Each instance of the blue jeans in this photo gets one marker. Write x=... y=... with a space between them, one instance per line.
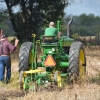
x=2 y=71
x=5 y=62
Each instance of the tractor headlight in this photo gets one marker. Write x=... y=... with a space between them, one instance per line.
x=53 y=49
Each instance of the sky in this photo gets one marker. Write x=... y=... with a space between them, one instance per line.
x=83 y=6
x=80 y=6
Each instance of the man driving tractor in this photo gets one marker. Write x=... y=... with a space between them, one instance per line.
x=52 y=31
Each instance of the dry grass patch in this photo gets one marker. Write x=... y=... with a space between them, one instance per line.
x=86 y=92
x=89 y=89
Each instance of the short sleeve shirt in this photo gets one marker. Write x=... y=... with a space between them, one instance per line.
x=7 y=47
x=51 y=31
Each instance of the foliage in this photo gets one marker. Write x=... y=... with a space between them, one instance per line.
x=84 y=25
x=34 y=14
x=5 y=24
x=75 y=36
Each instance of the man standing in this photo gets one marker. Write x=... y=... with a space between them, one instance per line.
x=5 y=61
x=52 y=31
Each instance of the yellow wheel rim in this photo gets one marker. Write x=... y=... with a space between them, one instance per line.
x=31 y=59
x=82 y=67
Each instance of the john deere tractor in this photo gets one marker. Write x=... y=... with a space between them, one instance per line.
x=60 y=60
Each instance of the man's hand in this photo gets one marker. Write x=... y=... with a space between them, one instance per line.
x=59 y=33
x=16 y=42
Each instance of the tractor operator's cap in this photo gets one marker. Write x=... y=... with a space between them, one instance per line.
x=51 y=24
x=4 y=36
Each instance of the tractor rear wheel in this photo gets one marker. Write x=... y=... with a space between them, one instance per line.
x=77 y=61
x=24 y=56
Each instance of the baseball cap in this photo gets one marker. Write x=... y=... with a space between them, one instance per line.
x=4 y=36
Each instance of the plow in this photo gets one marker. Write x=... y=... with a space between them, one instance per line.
x=61 y=60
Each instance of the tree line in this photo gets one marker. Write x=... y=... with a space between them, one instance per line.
x=84 y=25
x=33 y=17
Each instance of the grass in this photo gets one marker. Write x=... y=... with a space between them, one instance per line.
x=11 y=38
x=14 y=82
x=88 y=90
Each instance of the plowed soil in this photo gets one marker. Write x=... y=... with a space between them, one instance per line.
x=87 y=90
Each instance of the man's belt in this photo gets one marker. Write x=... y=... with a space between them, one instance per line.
x=5 y=55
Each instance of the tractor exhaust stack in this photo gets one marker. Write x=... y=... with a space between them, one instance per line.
x=68 y=27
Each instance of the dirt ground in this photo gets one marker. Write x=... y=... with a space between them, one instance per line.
x=88 y=90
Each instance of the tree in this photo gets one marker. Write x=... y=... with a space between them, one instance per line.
x=5 y=24
x=34 y=14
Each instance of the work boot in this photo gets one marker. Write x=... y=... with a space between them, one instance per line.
x=7 y=81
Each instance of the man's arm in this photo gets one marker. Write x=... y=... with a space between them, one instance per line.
x=59 y=33
x=11 y=47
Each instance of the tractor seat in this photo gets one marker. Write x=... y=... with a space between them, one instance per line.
x=50 y=39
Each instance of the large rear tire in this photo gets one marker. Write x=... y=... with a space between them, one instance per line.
x=24 y=56
x=77 y=61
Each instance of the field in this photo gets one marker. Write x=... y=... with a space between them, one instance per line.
x=89 y=89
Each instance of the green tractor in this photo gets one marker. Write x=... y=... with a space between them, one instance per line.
x=60 y=61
